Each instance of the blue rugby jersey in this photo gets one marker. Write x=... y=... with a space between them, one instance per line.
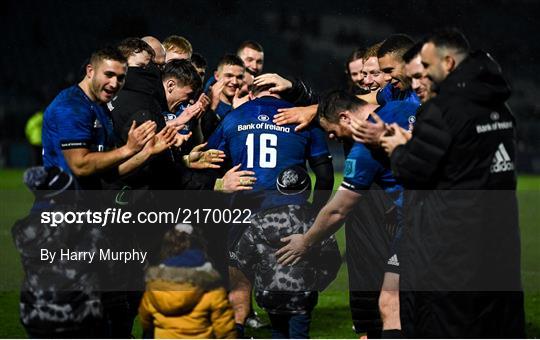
x=390 y=93
x=249 y=137
x=223 y=110
x=365 y=166
x=72 y=121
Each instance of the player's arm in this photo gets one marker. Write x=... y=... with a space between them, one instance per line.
x=320 y=162
x=324 y=179
x=84 y=162
x=328 y=221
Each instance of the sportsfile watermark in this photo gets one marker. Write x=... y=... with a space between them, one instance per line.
x=121 y=216
x=113 y=238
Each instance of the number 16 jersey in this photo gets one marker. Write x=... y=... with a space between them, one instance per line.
x=249 y=137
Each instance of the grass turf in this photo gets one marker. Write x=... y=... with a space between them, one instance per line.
x=331 y=318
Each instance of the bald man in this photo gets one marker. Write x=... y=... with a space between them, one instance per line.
x=158 y=48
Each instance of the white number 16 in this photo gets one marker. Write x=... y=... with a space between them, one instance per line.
x=267 y=150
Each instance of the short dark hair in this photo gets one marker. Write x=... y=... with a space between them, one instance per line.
x=450 y=37
x=397 y=44
x=413 y=51
x=198 y=60
x=130 y=46
x=250 y=44
x=183 y=71
x=107 y=53
x=336 y=101
x=230 y=59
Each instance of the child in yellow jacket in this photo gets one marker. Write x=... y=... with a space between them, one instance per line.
x=184 y=297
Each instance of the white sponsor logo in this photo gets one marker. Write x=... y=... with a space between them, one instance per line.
x=501 y=160
x=393 y=261
x=495 y=126
x=263 y=118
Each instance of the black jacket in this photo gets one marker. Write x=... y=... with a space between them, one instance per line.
x=142 y=99
x=462 y=228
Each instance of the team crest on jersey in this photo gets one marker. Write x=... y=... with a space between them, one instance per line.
x=350 y=168
x=263 y=118
x=412 y=120
x=97 y=124
x=169 y=116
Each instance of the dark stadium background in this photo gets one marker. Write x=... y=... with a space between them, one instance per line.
x=47 y=41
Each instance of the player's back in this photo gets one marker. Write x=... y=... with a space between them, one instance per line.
x=253 y=140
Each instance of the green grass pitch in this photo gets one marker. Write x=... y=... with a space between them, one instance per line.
x=331 y=318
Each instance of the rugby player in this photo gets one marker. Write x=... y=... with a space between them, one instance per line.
x=137 y=52
x=254 y=143
x=353 y=70
x=363 y=168
x=391 y=63
x=77 y=128
x=372 y=79
x=159 y=50
x=420 y=82
x=177 y=47
x=252 y=54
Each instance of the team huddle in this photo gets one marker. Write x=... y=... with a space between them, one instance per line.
x=427 y=196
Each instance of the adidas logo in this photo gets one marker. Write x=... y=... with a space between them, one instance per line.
x=393 y=261
x=501 y=161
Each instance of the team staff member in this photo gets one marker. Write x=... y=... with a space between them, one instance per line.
x=461 y=265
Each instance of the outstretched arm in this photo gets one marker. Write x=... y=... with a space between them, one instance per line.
x=328 y=221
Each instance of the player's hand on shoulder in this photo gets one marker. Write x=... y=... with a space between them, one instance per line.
x=301 y=115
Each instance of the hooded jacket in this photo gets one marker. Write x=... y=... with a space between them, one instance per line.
x=142 y=98
x=462 y=231
x=184 y=299
x=285 y=289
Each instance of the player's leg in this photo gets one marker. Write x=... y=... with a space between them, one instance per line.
x=389 y=304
